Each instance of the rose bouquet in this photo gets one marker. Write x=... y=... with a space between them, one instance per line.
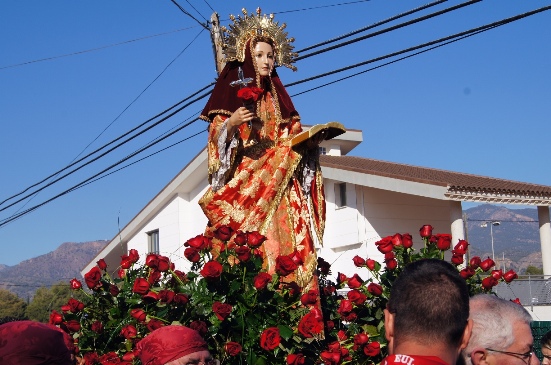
x=246 y=315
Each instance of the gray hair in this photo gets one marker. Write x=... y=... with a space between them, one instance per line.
x=493 y=321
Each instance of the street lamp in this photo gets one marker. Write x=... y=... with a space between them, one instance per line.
x=492 y=224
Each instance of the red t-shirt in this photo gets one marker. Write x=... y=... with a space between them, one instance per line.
x=412 y=360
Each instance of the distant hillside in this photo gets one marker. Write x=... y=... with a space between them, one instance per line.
x=62 y=264
x=516 y=238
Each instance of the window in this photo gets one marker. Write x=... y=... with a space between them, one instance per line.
x=322 y=150
x=153 y=241
x=340 y=195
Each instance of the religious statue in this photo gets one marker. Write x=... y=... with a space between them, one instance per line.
x=259 y=180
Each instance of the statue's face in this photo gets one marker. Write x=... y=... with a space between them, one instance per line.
x=264 y=57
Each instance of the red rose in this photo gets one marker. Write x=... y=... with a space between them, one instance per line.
x=223 y=233
x=345 y=307
x=240 y=238
x=467 y=273
x=141 y=286
x=199 y=242
x=391 y=264
x=55 y=318
x=133 y=254
x=461 y=247
x=261 y=280
x=355 y=282
x=138 y=314
x=97 y=327
x=129 y=331
x=371 y=264
x=358 y=261
x=270 y=338
x=151 y=296
x=457 y=259
x=510 y=276
x=375 y=289
x=121 y=273
x=360 y=339
x=407 y=240
x=152 y=260
x=330 y=325
x=516 y=300
x=164 y=263
x=385 y=244
x=497 y=274
x=334 y=347
x=475 y=262
x=192 y=254
x=166 y=296
x=126 y=262
x=243 y=253
x=199 y=326
x=356 y=297
x=341 y=335
x=295 y=359
x=341 y=278
x=255 y=239
x=154 y=324
x=323 y=266
x=93 y=278
x=75 y=305
x=285 y=265
x=249 y=94
x=311 y=324
x=178 y=277
x=294 y=289
x=487 y=264
x=102 y=264
x=396 y=240
x=72 y=325
x=330 y=358
x=444 y=241
x=233 y=348
x=114 y=290
x=212 y=270
x=489 y=282
x=90 y=358
x=426 y=231
x=154 y=276
x=129 y=356
x=65 y=308
x=309 y=298
x=372 y=349
x=222 y=310
x=75 y=284
x=181 y=298
x=109 y=358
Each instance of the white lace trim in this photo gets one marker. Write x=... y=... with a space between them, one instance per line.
x=224 y=151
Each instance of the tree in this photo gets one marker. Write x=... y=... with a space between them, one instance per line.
x=11 y=307
x=533 y=270
x=47 y=299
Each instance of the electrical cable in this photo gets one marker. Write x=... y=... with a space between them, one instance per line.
x=386 y=30
x=321 y=7
x=444 y=39
x=206 y=2
x=198 y=12
x=388 y=20
x=188 y=14
x=93 y=49
x=5 y=221
x=110 y=150
x=110 y=143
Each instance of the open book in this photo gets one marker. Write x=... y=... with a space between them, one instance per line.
x=333 y=129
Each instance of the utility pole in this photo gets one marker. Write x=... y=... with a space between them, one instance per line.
x=216 y=37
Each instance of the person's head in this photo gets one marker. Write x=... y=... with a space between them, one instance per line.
x=263 y=55
x=29 y=343
x=501 y=333
x=545 y=344
x=429 y=304
x=174 y=345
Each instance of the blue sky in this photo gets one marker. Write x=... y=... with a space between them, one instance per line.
x=479 y=105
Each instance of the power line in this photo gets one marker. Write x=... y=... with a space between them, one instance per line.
x=386 y=30
x=113 y=141
x=401 y=15
x=321 y=7
x=188 y=14
x=444 y=39
x=93 y=49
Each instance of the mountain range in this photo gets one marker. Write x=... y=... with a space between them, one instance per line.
x=515 y=240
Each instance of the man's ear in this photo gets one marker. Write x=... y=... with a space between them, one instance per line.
x=389 y=330
x=479 y=356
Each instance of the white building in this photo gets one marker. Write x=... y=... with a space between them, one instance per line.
x=366 y=199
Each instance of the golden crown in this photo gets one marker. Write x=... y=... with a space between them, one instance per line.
x=250 y=26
